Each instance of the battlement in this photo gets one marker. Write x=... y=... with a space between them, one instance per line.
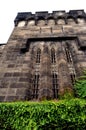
x=45 y=18
x=55 y=15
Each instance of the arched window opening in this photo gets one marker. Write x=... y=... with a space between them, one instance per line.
x=51 y=22
x=41 y=22
x=38 y=54
x=21 y=24
x=80 y=20
x=35 y=86
x=70 y=20
x=55 y=85
x=53 y=57
x=60 y=21
x=31 y=22
x=68 y=55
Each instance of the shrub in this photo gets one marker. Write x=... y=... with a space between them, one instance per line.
x=47 y=115
x=68 y=94
x=80 y=86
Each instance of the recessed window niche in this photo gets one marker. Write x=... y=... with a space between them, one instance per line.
x=60 y=21
x=51 y=21
x=70 y=20
x=80 y=20
x=21 y=23
x=31 y=22
x=41 y=22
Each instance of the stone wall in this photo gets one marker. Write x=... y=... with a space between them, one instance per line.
x=43 y=55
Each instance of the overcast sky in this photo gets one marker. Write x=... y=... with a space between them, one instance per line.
x=10 y=8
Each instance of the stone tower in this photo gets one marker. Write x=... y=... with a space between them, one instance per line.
x=43 y=55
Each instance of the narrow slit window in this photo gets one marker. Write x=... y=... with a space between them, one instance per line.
x=35 y=85
x=53 y=57
x=55 y=85
x=72 y=76
x=68 y=55
x=38 y=56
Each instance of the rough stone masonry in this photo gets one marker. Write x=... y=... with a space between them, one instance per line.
x=43 y=56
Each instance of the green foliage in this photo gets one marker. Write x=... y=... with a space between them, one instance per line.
x=67 y=95
x=47 y=115
x=80 y=86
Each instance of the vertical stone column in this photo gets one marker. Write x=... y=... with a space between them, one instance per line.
x=31 y=68
x=63 y=72
x=45 y=90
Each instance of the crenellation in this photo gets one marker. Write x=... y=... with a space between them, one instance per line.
x=73 y=16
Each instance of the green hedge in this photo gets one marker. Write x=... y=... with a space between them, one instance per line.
x=47 y=115
x=80 y=86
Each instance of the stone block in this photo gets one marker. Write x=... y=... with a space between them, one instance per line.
x=45 y=30
x=12 y=92
x=7 y=74
x=19 y=85
x=3 y=91
x=12 y=98
x=2 y=98
x=21 y=91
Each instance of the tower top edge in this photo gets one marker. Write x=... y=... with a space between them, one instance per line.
x=45 y=14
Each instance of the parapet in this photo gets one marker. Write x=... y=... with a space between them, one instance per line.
x=45 y=15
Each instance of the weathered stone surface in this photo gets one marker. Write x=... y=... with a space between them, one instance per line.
x=2 y=98
x=43 y=55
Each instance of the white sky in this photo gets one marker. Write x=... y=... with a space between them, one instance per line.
x=10 y=8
